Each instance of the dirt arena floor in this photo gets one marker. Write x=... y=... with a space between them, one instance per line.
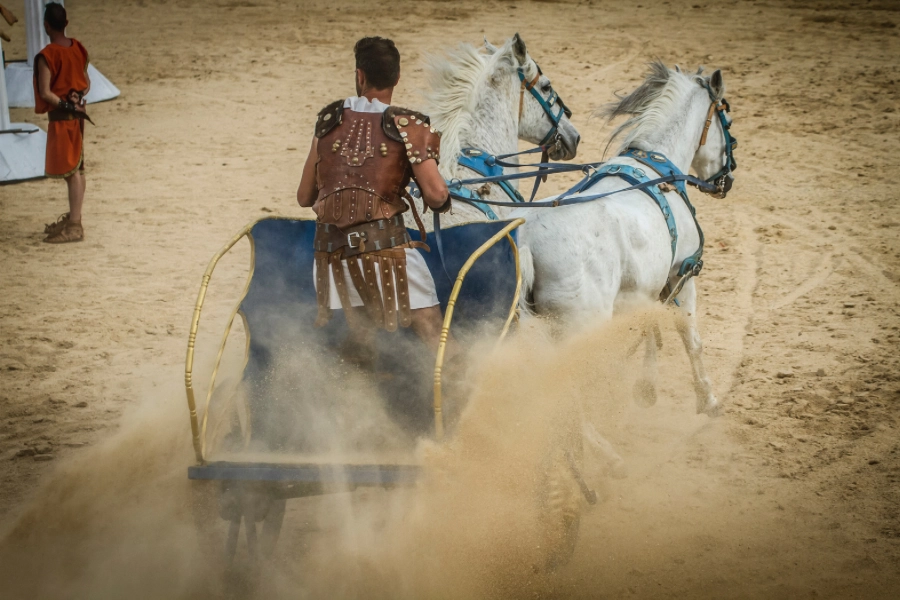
x=794 y=492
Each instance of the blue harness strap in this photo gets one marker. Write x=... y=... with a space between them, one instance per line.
x=470 y=197
x=634 y=176
x=486 y=165
x=662 y=165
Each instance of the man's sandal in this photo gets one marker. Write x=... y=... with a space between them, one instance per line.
x=54 y=228
x=72 y=232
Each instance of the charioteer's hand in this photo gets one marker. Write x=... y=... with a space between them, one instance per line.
x=444 y=207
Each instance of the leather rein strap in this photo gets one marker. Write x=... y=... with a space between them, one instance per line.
x=526 y=85
x=415 y=212
x=713 y=107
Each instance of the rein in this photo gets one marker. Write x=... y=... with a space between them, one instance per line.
x=715 y=185
x=491 y=167
x=718 y=185
x=457 y=192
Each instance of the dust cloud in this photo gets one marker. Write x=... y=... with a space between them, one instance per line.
x=116 y=520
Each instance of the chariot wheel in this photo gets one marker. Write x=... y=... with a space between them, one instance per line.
x=222 y=509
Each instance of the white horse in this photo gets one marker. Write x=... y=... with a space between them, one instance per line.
x=591 y=260
x=478 y=100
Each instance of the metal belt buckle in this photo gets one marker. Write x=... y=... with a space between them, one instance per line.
x=355 y=235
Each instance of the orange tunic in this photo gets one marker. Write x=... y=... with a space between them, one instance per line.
x=65 y=139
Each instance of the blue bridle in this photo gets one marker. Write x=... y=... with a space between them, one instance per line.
x=723 y=178
x=546 y=103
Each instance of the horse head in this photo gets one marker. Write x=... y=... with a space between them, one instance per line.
x=684 y=116
x=543 y=117
x=714 y=159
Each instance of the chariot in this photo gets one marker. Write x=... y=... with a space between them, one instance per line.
x=271 y=437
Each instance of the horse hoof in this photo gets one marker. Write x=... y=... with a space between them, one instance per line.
x=711 y=408
x=644 y=393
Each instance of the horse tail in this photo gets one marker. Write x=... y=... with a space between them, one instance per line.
x=526 y=267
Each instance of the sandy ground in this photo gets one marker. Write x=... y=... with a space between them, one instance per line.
x=792 y=493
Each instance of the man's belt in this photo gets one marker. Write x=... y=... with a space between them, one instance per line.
x=365 y=237
x=58 y=114
x=62 y=114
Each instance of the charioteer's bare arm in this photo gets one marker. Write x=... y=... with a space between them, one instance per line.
x=434 y=188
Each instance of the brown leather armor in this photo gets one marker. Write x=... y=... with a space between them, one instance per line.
x=364 y=162
x=364 y=165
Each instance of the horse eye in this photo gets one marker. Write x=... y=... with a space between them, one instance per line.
x=546 y=87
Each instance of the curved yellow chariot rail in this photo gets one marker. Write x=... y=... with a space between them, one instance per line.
x=451 y=304
x=198 y=427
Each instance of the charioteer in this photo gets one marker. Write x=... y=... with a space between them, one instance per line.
x=363 y=155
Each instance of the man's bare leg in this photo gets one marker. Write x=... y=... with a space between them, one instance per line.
x=427 y=324
x=76 y=184
x=69 y=229
x=359 y=346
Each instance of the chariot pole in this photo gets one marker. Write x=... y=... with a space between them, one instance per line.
x=19 y=75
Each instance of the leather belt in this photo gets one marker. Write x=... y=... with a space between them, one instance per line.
x=57 y=114
x=365 y=237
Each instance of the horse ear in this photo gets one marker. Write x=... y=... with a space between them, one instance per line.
x=491 y=49
x=519 y=50
x=717 y=85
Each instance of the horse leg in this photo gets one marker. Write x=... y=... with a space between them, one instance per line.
x=687 y=328
x=645 y=386
x=614 y=463
x=602 y=312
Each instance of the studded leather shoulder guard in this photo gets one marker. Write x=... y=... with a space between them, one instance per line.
x=329 y=117
x=390 y=117
x=422 y=141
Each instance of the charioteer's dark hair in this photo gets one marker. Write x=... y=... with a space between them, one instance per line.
x=379 y=59
x=55 y=16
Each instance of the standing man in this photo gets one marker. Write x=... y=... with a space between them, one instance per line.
x=363 y=155
x=60 y=85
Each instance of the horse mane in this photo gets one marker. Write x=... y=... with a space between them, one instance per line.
x=453 y=81
x=651 y=105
